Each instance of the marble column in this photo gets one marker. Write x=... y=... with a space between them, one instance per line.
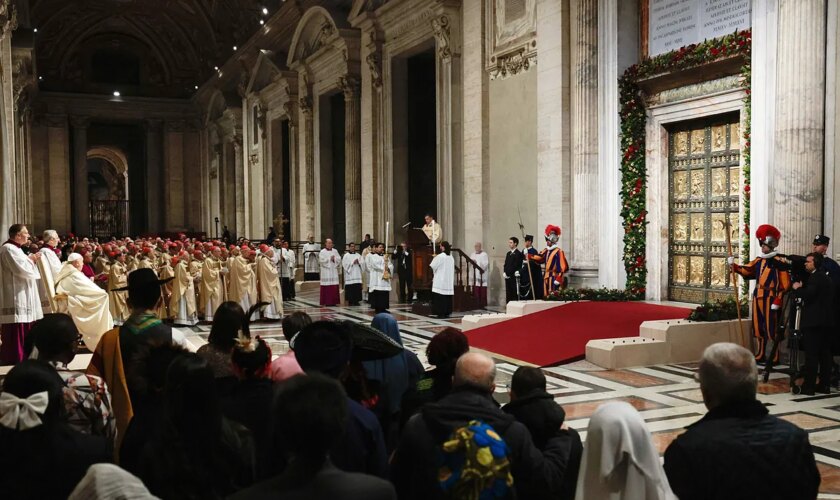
x=154 y=177
x=352 y=160
x=584 y=151
x=442 y=30
x=797 y=187
x=307 y=209
x=81 y=200
x=553 y=161
x=239 y=183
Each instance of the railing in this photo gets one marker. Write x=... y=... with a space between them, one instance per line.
x=109 y=218
x=468 y=274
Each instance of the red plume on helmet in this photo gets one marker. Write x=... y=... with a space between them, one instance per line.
x=768 y=235
x=552 y=229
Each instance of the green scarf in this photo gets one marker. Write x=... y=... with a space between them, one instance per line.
x=138 y=323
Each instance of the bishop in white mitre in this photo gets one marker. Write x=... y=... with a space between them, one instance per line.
x=20 y=304
x=87 y=303
x=330 y=262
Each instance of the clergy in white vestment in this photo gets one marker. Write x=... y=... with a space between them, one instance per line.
x=182 y=307
x=352 y=264
x=87 y=303
x=287 y=264
x=443 y=283
x=330 y=262
x=268 y=284
x=432 y=230
x=118 y=278
x=478 y=279
x=310 y=259
x=211 y=289
x=379 y=288
x=241 y=279
x=365 y=271
x=20 y=304
x=50 y=262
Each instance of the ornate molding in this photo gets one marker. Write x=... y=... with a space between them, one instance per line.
x=8 y=18
x=510 y=37
x=305 y=104
x=513 y=63
x=23 y=79
x=440 y=27
x=349 y=85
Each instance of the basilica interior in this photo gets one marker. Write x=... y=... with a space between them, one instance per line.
x=657 y=134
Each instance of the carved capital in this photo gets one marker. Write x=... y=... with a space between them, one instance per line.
x=375 y=66
x=440 y=26
x=289 y=111
x=8 y=18
x=349 y=85
x=305 y=104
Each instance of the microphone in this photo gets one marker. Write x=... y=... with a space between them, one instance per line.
x=406 y=224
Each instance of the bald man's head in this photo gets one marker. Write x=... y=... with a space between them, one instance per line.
x=476 y=370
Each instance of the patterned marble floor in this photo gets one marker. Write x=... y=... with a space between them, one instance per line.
x=667 y=396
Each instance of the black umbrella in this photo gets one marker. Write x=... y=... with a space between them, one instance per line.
x=370 y=344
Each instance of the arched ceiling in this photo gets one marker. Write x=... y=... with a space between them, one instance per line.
x=177 y=42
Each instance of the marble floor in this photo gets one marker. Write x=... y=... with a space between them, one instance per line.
x=667 y=396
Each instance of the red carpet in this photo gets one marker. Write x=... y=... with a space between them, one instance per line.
x=560 y=334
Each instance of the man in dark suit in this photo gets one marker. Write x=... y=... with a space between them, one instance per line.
x=402 y=261
x=513 y=262
x=817 y=323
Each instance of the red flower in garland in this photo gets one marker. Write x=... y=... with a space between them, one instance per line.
x=638 y=185
x=747 y=188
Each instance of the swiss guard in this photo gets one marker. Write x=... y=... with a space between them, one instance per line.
x=772 y=281
x=555 y=261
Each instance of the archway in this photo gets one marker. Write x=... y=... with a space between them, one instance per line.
x=108 y=191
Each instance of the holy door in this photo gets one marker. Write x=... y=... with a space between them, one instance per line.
x=704 y=187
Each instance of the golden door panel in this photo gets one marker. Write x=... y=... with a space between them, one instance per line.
x=705 y=189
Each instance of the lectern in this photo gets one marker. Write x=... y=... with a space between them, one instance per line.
x=422 y=257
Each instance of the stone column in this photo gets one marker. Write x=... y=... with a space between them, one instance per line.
x=553 y=169
x=307 y=165
x=239 y=182
x=154 y=177
x=441 y=28
x=81 y=200
x=584 y=102
x=797 y=187
x=352 y=159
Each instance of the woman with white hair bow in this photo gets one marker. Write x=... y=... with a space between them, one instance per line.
x=42 y=456
x=619 y=459
x=87 y=304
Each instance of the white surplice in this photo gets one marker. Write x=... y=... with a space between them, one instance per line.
x=54 y=264
x=329 y=266
x=443 y=267
x=375 y=264
x=352 y=264
x=87 y=304
x=483 y=261
x=310 y=257
x=19 y=299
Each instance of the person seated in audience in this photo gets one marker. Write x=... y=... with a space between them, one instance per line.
x=620 y=460
x=394 y=375
x=110 y=482
x=442 y=352
x=415 y=462
x=310 y=415
x=42 y=456
x=118 y=348
x=531 y=405
x=739 y=450
x=87 y=402
x=199 y=453
x=286 y=365
x=326 y=347
x=148 y=378
x=250 y=399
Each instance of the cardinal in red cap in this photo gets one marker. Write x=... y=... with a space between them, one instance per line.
x=556 y=264
x=772 y=281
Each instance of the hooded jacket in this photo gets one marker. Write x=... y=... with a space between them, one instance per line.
x=415 y=463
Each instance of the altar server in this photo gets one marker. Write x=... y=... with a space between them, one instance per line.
x=352 y=264
x=20 y=304
x=87 y=304
x=379 y=286
x=287 y=265
x=269 y=284
x=310 y=259
x=443 y=282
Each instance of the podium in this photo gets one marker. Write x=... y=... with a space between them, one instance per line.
x=421 y=259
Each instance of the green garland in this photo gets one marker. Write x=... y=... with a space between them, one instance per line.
x=594 y=294
x=718 y=310
x=633 y=118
